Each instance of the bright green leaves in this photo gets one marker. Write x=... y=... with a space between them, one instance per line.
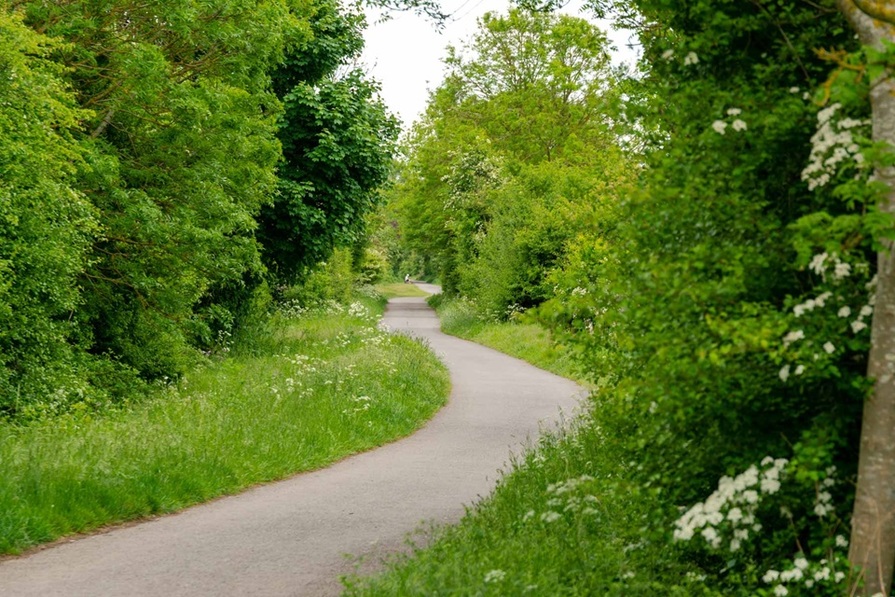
x=46 y=225
x=515 y=152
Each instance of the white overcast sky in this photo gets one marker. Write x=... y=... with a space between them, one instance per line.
x=404 y=53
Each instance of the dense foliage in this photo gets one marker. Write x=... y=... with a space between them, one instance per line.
x=139 y=145
x=720 y=301
x=509 y=161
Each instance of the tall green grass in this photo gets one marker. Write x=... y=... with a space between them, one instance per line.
x=562 y=521
x=518 y=338
x=399 y=289
x=324 y=385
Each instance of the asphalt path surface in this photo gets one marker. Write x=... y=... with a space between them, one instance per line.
x=298 y=536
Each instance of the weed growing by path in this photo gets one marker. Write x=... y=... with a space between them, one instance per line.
x=326 y=384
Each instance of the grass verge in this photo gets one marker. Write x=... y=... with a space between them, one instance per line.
x=399 y=289
x=527 y=341
x=562 y=521
x=327 y=384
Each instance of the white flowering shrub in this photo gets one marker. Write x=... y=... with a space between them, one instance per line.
x=835 y=145
x=772 y=502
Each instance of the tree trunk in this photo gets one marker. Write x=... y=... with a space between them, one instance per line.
x=873 y=521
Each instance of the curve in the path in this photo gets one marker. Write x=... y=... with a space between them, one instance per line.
x=292 y=537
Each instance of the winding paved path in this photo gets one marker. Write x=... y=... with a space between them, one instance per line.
x=292 y=537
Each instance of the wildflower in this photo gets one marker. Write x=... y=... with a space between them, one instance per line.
x=784 y=373
x=793 y=89
x=734 y=545
x=734 y=112
x=817 y=263
x=550 y=516
x=770 y=576
x=841 y=270
x=839 y=576
x=866 y=310
x=857 y=326
x=495 y=576
x=829 y=348
x=801 y=563
x=793 y=336
x=770 y=486
x=735 y=515
x=841 y=541
x=668 y=54
x=719 y=126
x=790 y=575
x=739 y=125
x=691 y=58
x=800 y=369
x=844 y=312
x=780 y=591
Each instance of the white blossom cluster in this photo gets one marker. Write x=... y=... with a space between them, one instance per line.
x=357 y=309
x=569 y=496
x=689 y=60
x=810 y=574
x=824 y=264
x=823 y=502
x=727 y=516
x=832 y=144
x=738 y=124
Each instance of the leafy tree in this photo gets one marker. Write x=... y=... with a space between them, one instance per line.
x=515 y=146
x=337 y=143
x=46 y=224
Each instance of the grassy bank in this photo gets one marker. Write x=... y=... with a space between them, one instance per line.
x=562 y=520
x=399 y=289
x=327 y=384
x=527 y=341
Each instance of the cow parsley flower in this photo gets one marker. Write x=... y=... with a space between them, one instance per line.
x=720 y=126
x=734 y=112
x=495 y=576
x=829 y=347
x=691 y=58
x=667 y=54
x=844 y=312
x=784 y=373
x=857 y=326
x=738 y=125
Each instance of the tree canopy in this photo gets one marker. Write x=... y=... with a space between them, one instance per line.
x=141 y=143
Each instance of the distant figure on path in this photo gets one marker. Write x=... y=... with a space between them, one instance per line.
x=407 y=278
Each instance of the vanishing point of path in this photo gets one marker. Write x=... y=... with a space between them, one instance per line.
x=292 y=537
